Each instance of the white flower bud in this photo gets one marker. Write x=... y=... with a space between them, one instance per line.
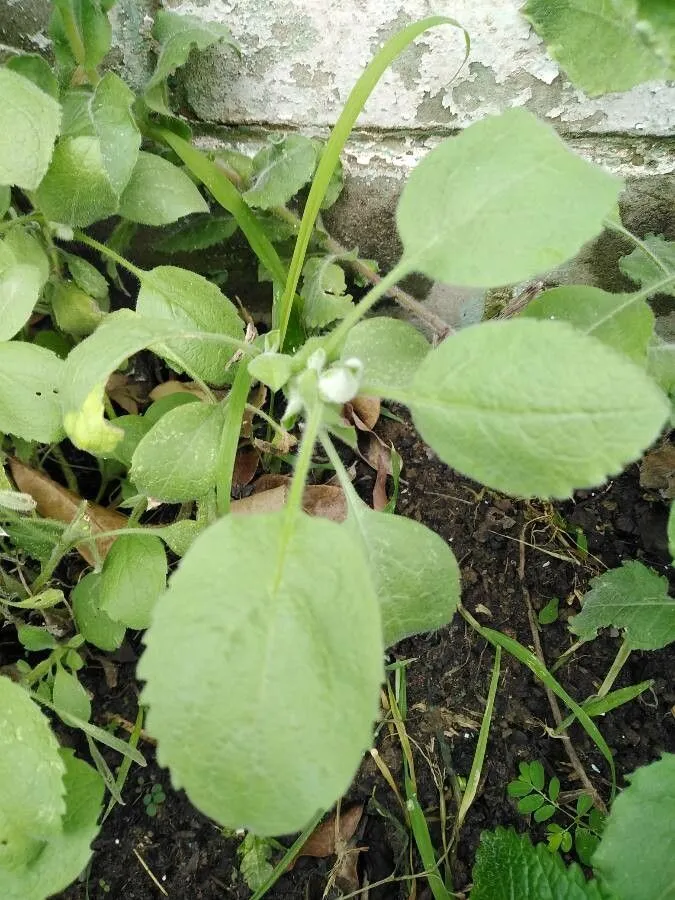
x=341 y=383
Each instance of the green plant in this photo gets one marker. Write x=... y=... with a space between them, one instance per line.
x=153 y=799
x=584 y=823
x=290 y=613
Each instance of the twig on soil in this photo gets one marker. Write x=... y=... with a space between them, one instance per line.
x=128 y=726
x=553 y=703
x=147 y=869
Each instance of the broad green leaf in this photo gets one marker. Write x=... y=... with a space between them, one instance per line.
x=188 y=299
x=521 y=203
x=20 y=288
x=290 y=657
x=159 y=193
x=597 y=42
x=88 y=367
x=165 y=404
x=280 y=170
x=272 y=369
x=636 y=856
x=88 y=278
x=197 y=233
x=133 y=577
x=661 y=364
x=177 y=36
x=75 y=311
x=254 y=855
x=176 y=460
x=88 y=20
x=414 y=572
x=633 y=598
x=134 y=428
x=508 y=867
x=5 y=199
x=69 y=695
x=26 y=248
x=657 y=25
x=64 y=856
x=76 y=120
x=671 y=532
x=29 y=124
x=95 y=626
x=35 y=638
x=179 y=536
x=76 y=189
x=30 y=385
x=622 y=321
x=36 y=537
x=575 y=414
x=391 y=352
x=644 y=269
x=36 y=69
x=323 y=293
x=31 y=770
x=115 y=127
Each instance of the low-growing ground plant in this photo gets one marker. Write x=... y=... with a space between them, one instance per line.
x=263 y=659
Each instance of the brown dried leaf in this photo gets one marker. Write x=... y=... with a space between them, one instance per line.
x=280 y=446
x=332 y=835
x=657 y=471
x=167 y=388
x=363 y=412
x=380 y=498
x=261 y=502
x=245 y=466
x=126 y=393
x=324 y=500
x=56 y=502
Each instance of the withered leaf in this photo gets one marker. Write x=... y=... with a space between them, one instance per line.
x=126 y=393
x=56 y=502
x=363 y=412
x=324 y=500
x=245 y=466
x=332 y=835
x=657 y=471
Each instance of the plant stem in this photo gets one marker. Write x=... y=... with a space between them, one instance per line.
x=68 y=474
x=235 y=404
x=270 y=421
x=303 y=460
x=19 y=220
x=620 y=229
x=336 y=338
x=83 y=238
x=619 y=661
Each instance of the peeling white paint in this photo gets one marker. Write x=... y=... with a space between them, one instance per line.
x=301 y=58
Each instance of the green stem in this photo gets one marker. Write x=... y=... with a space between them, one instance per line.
x=139 y=508
x=72 y=33
x=19 y=220
x=229 y=437
x=620 y=229
x=337 y=337
x=270 y=421
x=83 y=238
x=619 y=662
x=336 y=142
x=68 y=474
x=303 y=460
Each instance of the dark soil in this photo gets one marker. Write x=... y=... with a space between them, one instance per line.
x=447 y=685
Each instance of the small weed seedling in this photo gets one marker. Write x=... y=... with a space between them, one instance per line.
x=153 y=799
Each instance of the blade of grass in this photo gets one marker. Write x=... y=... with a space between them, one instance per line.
x=336 y=142
x=522 y=654
x=229 y=436
x=598 y=706
x=420 y=830
x=230 y=199
x=125 y=767
x=473 y=780
x=104 y=771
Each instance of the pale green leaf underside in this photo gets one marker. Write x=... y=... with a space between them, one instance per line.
x=503 y=202
x=159 y=193
x=95 y=625
x=20 y=288
x=29 y=124
x=508 y=867
x=31 y=770
x=633 y=598
x=30 y=382
x=133 y=577
x=64 y=856
x=644 y=269
x=177 y=459
x=76 y=189
x=622 y=321
x=280 y=170
x=636 y=857
x=115 y=127
x=415 y=573
x=597 y=43
x=191 y=301
x=283 y=692
x=391 y=352
x=20 y=245
x=574 y=414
